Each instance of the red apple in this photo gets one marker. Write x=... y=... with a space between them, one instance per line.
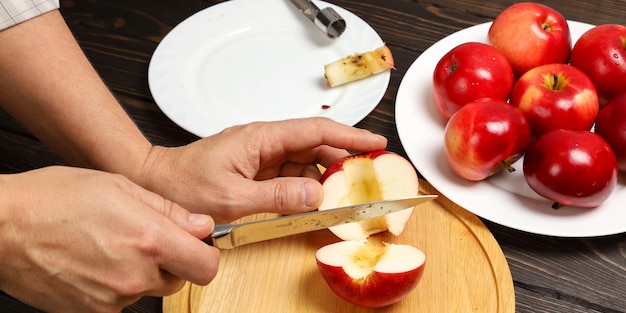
x=576 y=168
x=556 y=96
x=468 y=72
x=484 y=137
x=367 y=177
x=531 y=34
x=601 y=54
x=369 y=275
x=611 y=125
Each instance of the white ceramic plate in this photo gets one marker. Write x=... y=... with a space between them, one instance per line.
x=504 y=198
x=258 y=60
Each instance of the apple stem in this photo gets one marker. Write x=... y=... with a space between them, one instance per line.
x=555 y=83
x=510 y=168
x=556 y=205
x=506 y=165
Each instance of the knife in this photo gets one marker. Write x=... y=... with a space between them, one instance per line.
x=228 y=236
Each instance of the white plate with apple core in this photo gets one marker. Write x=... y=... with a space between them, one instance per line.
x=505 y=198
x=259 y=60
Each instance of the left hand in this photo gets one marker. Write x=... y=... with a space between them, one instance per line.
x=254 y=168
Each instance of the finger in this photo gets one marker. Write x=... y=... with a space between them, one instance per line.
x=187 y=257
x=308 y=133
x=290 y=169
x=324 y=155
x=284 y=195
x=166 y=284
x=329 y=155
x=176 y=238
x=198 y=225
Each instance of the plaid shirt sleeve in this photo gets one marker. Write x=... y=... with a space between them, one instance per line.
x=13 y=12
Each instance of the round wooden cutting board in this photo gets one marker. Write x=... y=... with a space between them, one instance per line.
x=465 y=271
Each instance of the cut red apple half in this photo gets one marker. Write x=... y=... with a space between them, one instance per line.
x=370 y=275
x=368 y=177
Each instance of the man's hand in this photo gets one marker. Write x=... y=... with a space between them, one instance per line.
x=258 y=167
x=76 y=240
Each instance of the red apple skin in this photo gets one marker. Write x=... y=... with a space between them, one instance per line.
x=531 y=34
x=375 y=291
x=576 y=168
x=568 y=102
x=468 y=72
x=611 y=125
x=338 y=165
x=474 y=148
x=601 y=54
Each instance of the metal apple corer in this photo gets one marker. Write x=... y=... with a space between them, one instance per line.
x=327 y=19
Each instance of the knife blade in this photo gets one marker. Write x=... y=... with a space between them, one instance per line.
x=228 y=236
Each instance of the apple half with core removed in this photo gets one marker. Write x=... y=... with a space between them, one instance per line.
x=370 y=275
x=368 y=177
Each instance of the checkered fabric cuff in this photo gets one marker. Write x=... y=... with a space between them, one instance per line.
x=13 y=12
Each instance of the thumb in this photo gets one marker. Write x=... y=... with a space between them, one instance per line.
x=284 y=195
x=198 y=225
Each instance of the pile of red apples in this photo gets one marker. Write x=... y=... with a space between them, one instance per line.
x=532 y=92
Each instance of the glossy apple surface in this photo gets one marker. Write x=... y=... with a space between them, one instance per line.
x=485 y=137
x=368 y=177
x=611 y=125
x=468 y=72
x=369 y=275
x=601 y=54
x=554 y=96
x=531 y=34
x=576 y=168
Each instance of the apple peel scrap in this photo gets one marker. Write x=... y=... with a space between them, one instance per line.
x=358 y=66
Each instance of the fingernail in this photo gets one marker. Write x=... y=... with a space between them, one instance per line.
x=198 y=219
x=309 y=194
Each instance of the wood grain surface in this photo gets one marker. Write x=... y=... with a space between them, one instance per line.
x=552 y=275
x=465 y=268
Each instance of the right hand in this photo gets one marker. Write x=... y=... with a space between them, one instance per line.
x=76 y=240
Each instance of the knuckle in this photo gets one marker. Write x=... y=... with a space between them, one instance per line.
x=147 y=242
x=121 y=293
x=172 y=287
x=281 y=196
x=131 y=287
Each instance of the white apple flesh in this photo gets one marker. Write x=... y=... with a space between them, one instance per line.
x=358 y=66
x=370 y=275
x=368 y=177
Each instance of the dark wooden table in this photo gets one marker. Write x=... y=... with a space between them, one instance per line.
x=119 y=36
